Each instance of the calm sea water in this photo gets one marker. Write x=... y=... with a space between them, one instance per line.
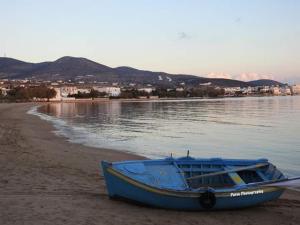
x=262 y=127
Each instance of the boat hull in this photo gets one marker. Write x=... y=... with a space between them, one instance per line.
x=121 y=186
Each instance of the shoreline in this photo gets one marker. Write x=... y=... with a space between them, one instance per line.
x=87 y=100
x=44 y=179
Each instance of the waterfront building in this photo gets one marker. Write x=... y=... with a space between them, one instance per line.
x=110 y=91
x=296 y=89
x=286 y=90
x=84 y=90
x=275 y=90
x=68 y=90
x=62 y=94
x=231 y=91
x=247 y=90
x=264 y=89
x=4 y=91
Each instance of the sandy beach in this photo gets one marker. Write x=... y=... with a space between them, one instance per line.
x=44 y=179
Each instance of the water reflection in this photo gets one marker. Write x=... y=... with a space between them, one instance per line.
x=241 y=127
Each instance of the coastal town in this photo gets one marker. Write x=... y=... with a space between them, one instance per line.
x=71 y=91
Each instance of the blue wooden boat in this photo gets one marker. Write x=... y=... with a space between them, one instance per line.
x=194 y=184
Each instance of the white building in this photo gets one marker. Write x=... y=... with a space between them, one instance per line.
x=264 y=89
x=296 y=89
x=58 y=96
x=4 y=91
x=68 y=90
x=61 y=95
x=247 y=90
x=84 y=90
x=147 y=90
x=275 y=90
x=180 y=89
x=231 y=90
x=205 y=84
x=286 y=90
x=110 y=91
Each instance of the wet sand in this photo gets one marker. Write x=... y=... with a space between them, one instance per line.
x=44 y=179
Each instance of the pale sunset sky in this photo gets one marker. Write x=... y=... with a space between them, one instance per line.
x=240 y=39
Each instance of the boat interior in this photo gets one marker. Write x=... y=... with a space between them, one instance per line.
x=191 y=174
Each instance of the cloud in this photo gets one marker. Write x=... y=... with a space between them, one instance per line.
x=183 y=35
x=219 y=75
x=242 y=77
x=252 y=76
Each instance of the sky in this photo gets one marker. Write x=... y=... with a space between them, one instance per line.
x=239 y=39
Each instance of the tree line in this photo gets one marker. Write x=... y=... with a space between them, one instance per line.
x=28 y=93
x=43 y=92
x=173 y=93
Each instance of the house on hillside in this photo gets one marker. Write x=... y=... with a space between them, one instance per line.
x=206 y=84
x=180 y=89
x=147 y=90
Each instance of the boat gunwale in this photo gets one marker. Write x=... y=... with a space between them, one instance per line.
x=191 y=160
x=220 y=192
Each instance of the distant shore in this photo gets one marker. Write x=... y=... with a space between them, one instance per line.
x=44 y=179
x=140 y=99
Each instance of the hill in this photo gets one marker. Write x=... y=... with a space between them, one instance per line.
x=74 y=68
x=264 y=82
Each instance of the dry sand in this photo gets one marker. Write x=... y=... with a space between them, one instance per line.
x=44 y=179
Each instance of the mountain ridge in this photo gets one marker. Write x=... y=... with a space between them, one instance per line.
x=79 y=68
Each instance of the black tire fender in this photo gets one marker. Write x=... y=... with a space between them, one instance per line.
x=207 y=200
